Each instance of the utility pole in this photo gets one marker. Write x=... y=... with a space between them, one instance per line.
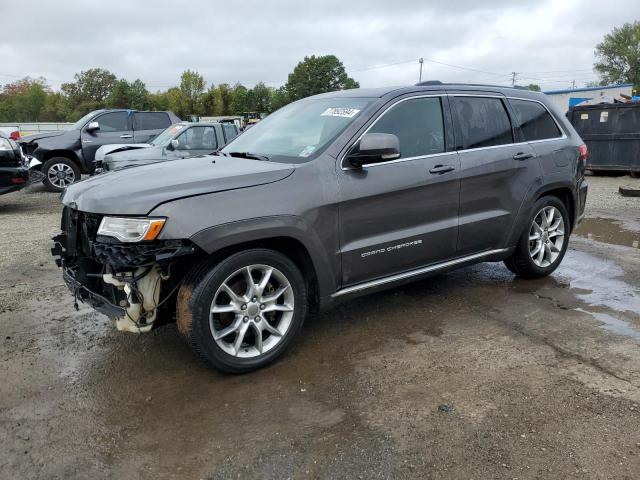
x=420 y=61
x=514 y=76
x=573 y=84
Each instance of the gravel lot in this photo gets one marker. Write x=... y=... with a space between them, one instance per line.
x=472 y=374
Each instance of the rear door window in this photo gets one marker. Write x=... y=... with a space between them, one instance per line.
x=151 y=120
x=113 y=122
x=534 y=120
x=230 y=131
x=481 y=122
x=418 y=124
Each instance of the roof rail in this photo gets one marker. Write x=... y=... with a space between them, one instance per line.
x=438 y=82
x=428 y=83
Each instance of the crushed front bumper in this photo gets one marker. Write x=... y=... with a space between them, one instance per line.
x=124 y=281
x=95 y=300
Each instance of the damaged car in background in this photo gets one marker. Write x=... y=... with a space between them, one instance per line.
x=67 y=154
x=14 y=165
x=182 y=140
x=329 y=197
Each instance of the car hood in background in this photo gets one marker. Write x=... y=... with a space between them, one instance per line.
x=39 y=136
x=117 y=148
x=139 y=190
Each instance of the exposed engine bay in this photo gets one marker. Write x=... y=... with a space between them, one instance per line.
x=128 y=282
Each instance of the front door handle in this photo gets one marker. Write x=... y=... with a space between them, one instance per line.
x=523 y=156
x=442 y=169
x=126 y=135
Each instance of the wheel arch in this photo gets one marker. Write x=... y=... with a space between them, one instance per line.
x=562 y=191
x=288 y=235
x=565 y=195
x=69 y=155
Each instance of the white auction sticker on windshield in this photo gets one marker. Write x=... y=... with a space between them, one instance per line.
x=306 y=151
x=340 y=112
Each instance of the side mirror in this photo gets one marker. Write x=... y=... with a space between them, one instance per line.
x=93 y=126
x=374 y=148
x=173 y=144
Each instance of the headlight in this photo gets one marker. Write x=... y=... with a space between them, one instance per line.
x=5 y=145
x=131 y=229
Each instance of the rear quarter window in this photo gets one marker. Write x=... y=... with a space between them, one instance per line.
x=151 y=120
x=534 y=120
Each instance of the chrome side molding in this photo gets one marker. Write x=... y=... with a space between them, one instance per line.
x=412 y=273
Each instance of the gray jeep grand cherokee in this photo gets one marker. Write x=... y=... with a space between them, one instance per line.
x=332 y=196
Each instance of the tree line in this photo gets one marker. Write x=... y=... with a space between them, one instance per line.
x=32 y=100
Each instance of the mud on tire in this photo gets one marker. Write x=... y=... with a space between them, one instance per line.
x=199 y=301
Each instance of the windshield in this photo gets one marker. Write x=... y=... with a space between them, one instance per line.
x=302 y=129
x=165 y=137
x=80 y=123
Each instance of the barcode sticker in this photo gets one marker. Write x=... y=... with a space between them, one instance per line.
x=340 y=112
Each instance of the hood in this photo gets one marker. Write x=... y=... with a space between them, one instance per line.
x=133 y=155
x=39 y=136
x=116 y=148
x=137 y=191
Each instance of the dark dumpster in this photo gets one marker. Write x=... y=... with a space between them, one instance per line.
x=611 y=133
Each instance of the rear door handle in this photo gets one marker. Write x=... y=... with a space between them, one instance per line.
x=442 y=169
x=126 y=135
x=523 y=156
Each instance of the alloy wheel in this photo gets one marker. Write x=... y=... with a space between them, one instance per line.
x=61 y=175
x=546 y=236
x=251 y=311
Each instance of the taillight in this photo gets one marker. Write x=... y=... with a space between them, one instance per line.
x=15 y=135
x=18 y=180
x=583 y=153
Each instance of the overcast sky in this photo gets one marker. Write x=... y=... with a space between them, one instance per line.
x=549 y=42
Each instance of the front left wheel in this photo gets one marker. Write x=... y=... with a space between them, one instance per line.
x=242 y=313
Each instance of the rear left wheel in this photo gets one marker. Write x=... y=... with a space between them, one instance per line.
x=544 y=243
x=242 y=313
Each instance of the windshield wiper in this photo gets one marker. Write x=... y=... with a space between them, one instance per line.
x=254 y=156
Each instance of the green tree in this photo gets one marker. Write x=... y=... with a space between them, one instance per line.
x=534 y=86
x=90 y=87
x=316 y=75
x=178 y=103
x=23 y=100
x=261 y=98
x=192 y=86
x=211 y=101
x=239 y=101
x=279 y=98
x=120 y=95
x=159 y=101
x=618 y=55
x=139 y=95
x=226 y=97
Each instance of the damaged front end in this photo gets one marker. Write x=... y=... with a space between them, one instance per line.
x=129 y=281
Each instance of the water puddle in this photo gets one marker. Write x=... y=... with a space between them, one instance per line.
x=613 y=324
x=608 y=230
x=599 y=282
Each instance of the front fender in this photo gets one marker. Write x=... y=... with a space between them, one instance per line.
x=288 y=226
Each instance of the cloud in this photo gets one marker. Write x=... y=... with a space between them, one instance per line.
x=546 y=42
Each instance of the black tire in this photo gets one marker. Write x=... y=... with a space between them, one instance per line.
x=72 y=170
x=520 y=262
x=197 y=293
x=634 y=174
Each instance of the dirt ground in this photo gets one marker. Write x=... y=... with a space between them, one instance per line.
x=472 y=374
